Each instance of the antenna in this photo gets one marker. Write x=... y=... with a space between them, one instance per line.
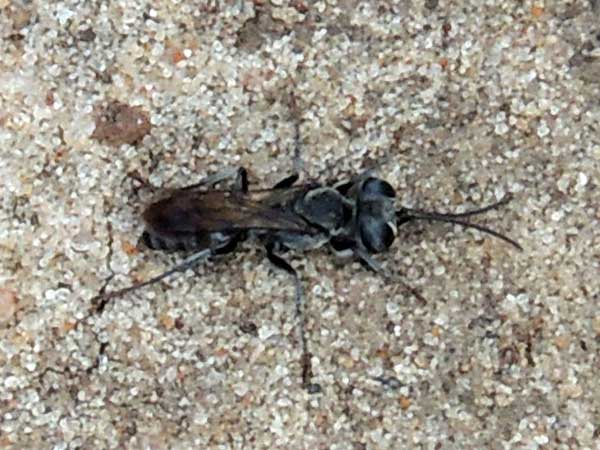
x=404 y=215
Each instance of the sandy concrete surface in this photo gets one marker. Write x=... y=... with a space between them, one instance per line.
x=458 y=102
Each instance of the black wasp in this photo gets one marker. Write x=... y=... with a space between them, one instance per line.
x=357 y=217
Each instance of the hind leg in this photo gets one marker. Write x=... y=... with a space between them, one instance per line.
x=287 y=182
x=99 y=302
x=239 y=176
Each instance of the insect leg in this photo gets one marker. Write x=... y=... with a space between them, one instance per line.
x=230 y=246
x=376 y=267
x=280 y=263
x=370 y=262
x=213 y=179
x=287 y=181
x=241 y=180
x=101 y=301
x=298 y=163
x=139 y=183
x=142 y=183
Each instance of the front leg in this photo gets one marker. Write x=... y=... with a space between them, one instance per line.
x=307 y=374
x=371 y=263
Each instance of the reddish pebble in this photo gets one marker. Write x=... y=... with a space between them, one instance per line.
x=118 y=123
x=8 y=305
x=537 y=11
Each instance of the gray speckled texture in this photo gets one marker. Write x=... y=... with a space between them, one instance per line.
x=467 y=99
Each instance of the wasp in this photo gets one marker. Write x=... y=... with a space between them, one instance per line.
x=357 y=217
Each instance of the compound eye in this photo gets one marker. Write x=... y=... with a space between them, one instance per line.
x=377 y=186
x=377 y=236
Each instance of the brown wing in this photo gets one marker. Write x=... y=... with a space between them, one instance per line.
x=212 y=211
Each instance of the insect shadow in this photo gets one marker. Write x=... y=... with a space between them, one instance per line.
x=357 y=218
